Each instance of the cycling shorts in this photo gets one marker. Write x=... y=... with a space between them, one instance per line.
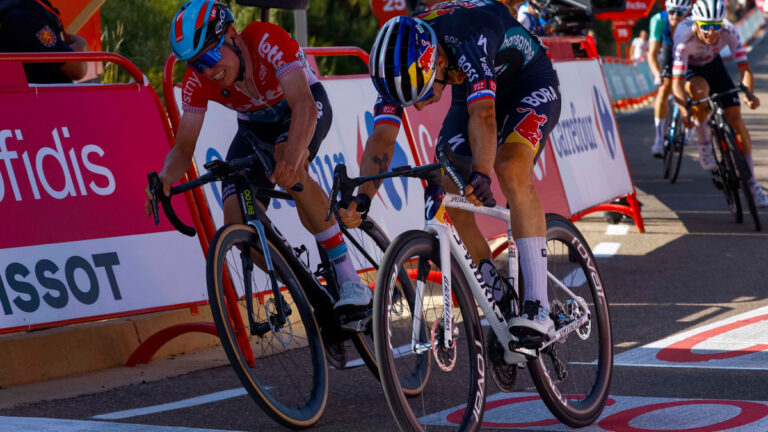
x=526 y=113
x=271 y=134
x=718 y=79
x=665 y=60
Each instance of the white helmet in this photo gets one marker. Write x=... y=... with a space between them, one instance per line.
x=678 y=4
x=708 y=10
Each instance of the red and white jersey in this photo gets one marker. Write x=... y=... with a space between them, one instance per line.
x=274 y=54
x=689 y=50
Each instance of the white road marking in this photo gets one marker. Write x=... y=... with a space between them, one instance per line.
x=618 y=229
x=34 y=424
x=184 y=403
x=606 y=249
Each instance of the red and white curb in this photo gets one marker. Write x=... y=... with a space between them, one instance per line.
x=739 y=342
x=622 y=414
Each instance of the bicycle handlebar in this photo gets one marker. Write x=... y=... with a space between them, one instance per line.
x=741 y=88
x=344 y=185
x=217 y=170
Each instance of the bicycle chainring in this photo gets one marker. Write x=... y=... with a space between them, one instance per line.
x=445 y=357
x=504 y=375
x=284 y=334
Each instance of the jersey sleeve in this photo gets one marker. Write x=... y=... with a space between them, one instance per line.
x=679 y=53
x=735 y=44
x=385 y=113
x=475 y=60
x=274 y=47
x=192 y=98
x=656 y=28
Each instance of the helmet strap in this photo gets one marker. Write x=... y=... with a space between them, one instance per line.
x=241 y=71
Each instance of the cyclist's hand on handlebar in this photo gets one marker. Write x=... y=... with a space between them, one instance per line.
x=478 y=190
x=352 y=216
x=290 y=161
x=150 y=197
x=752 y=104
x=685 y=113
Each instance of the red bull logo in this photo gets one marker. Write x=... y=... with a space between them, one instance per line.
x=529 y=128
x=426 y=59
x=432 y=14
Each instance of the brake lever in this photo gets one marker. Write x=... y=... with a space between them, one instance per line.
x=333 y=195
x=154 y=185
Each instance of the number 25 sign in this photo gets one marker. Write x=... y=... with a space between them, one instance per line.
x=386 y=9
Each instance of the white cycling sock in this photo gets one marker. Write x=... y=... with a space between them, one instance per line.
x=661 y=124
x=332 y=240
x=702 y=132
x=533 y=262
x=751 y=163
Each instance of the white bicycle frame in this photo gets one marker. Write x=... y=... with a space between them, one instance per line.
x=451 y=244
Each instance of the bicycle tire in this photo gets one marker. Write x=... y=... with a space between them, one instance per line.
x=726 y=171
x=668 y=144
x=372 y=238
x=743 y=173
x=678 y=142
x=393 y=329
x=575 y=396
x=281 y=369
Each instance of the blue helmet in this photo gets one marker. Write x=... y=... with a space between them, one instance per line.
x=403 y=60
x=198 y=24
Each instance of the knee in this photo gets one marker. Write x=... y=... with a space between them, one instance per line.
x=515 y=178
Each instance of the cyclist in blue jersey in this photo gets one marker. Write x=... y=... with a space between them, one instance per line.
x=505 y=101
x=663 y=26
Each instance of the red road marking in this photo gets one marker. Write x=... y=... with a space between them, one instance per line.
x=680 y=352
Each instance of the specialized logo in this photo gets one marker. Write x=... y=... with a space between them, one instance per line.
x=605 y=127
x=482 y=41
x=272 y=53
x=46 y=36
x=529 y=128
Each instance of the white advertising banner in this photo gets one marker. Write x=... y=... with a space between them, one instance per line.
x=586 y=140
x=399 y=203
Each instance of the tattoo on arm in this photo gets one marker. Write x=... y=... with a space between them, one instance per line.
x=383 y=163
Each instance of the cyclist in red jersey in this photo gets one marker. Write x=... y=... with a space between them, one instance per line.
x=262 y=74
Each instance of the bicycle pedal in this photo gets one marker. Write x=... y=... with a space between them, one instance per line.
x=527 y=345
x=356 y=323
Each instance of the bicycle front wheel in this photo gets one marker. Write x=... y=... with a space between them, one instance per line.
x=677 y=141
x=281 y=365
x=427 y=383
x=366 y=245
x=573 y=375
x=739 y=161
x=726 y=180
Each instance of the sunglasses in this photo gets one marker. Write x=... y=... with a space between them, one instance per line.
x=207 y=59
x=707 y=26
x=679 y=13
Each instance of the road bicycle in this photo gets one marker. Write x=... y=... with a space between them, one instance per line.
x=732 y=172
x=431 y=352
x=274 y=317
x=674 y=141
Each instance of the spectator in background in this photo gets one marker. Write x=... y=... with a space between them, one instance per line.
x=528 y=16
x=35 y=26
x=640 y=46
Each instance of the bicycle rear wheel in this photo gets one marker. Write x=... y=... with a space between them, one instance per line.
x=283 y=367
x=366 y=245
x=447 y=385
x=573 y=375
x=743 y=173
x=727 y=180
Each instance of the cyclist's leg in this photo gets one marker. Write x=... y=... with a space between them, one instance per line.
x=454 y=134
x=311 y=204
x=661 y=106
x=523 y=134
x=697 y=85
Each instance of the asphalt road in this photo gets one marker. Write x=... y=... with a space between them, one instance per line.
x=693 y=269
